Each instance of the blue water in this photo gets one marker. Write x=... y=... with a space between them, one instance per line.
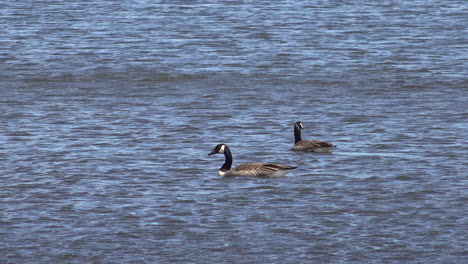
x=109 y=110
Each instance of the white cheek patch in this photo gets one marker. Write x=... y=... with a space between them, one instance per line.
x=301 y=126
x=221 y=150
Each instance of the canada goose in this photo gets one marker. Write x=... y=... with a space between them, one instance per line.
x=257 y=170
x=309 y=145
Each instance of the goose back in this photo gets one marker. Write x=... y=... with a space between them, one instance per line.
x=259 y=170
x=313 y=146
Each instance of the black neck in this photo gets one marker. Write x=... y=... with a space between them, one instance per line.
x=228 y=163
x=297 y=134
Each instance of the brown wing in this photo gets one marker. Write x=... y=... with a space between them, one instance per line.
x=311 y=144
x=258 y=170
x=274 y=167
x=248 y=166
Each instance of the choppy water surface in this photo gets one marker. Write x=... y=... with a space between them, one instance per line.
x=109 y=110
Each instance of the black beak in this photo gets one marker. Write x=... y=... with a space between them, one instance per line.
x=211 y=153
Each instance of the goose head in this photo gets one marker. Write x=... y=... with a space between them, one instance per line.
x=219 y=149
x=299 y=125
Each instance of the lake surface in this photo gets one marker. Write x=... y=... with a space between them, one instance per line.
x=109 y=109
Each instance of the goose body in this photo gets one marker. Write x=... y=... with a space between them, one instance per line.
x=309 y=145
x=256 y=170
